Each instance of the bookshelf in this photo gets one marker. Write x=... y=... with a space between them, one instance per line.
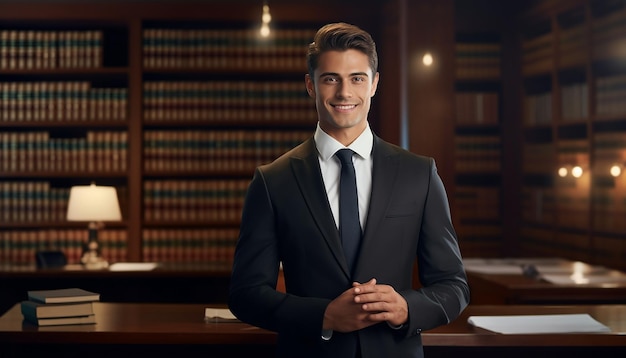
x=174 y=104
x=572 y=79
x=478 y=129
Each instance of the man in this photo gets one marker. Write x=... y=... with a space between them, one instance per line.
x=291 y=215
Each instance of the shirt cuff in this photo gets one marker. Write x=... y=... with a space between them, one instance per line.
x=327 y=334
x=395 y=327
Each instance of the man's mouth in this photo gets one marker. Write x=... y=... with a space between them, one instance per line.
x=344 y=107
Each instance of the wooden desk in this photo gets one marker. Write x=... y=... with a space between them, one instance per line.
x=496 y=288
x=168 y=283
x=162 y=330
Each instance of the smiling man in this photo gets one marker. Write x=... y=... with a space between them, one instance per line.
x=347 y=259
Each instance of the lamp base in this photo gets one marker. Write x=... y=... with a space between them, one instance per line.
x=96 y=265
x=91 y=258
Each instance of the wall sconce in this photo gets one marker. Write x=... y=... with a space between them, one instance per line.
x=428 y=59
x=616 y=170
x=93 y=204
x=575 y=171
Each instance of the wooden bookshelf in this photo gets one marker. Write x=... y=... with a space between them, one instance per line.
x=574 y=116
x=478 y=185
x=174 y=104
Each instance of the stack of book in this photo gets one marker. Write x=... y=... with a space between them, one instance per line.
x=60 y=307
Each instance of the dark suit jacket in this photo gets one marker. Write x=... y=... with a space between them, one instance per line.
x=287 y=218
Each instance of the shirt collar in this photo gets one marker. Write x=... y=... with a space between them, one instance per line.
x=327 y=146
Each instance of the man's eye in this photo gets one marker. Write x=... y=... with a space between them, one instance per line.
x=359 y=79
x=330 y=79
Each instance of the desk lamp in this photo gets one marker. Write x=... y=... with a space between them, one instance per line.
x=94 y=204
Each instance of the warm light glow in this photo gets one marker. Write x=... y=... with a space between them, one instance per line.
x=265 y=30
x=93 y=203
x=427 y=60
x=266 y=18
x=578 y=273
x=577 y=171
x=616 y=170
x=563 y=172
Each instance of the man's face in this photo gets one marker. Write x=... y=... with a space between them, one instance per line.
x=342 y=88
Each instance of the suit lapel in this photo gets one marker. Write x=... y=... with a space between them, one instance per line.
x=306 y=170
x=384 y=173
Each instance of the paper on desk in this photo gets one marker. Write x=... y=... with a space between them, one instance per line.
x=133 y=266
x=219 y=315
x=583 y=279
x=534 y=324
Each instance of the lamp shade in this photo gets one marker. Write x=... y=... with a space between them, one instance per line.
x=93 y=203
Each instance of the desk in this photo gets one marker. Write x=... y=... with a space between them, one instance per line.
x=161 y=330
x=169 y=283
x=495 y=283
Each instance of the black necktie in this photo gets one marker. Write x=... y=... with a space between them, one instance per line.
x=349 y=226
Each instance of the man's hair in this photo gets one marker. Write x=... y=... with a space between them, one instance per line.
x=341 y=37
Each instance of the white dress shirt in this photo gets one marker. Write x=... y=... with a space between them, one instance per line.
x=330 y=165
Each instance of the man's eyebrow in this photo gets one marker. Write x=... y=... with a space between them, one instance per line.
x=337 y=75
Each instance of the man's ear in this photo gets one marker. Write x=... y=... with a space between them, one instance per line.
x=310 y=86
x=374 y=84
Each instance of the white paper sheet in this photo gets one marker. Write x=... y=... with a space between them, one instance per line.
x=539 y=324
x=133 y=266
x=212 y=314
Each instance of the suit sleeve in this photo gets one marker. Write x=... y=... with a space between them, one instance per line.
x=444 y=293
x=253 y=297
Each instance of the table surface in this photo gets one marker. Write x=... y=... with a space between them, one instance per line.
x=157 y=323
x=510 y=281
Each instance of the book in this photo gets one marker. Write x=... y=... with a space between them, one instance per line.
x=34 y=309
x=65 y=295
x=219 y=315
x=90 y=319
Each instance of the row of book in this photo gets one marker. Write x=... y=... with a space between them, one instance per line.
x=98 y=151
x=214 y=245
x=607 y=34
x=236 y=150
x=18 y=247
x=537 y=54
x=227 y=100
x=572 y=212
x=575 y=102
x=479 y=203
x=194 y=200
x=32 y=201
x=225 y=48
x=478 y=60
x=609 y=209
x=36 y=201
x=548 y=242
x=538 y=205
x=47 y=101
x=538 y=109
x=609 y=148
x=37 y=49
x=572 y=40
x=610 y=94
x=572 y=152
x=55 y=307
x=477 y=108
x=478 y=153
